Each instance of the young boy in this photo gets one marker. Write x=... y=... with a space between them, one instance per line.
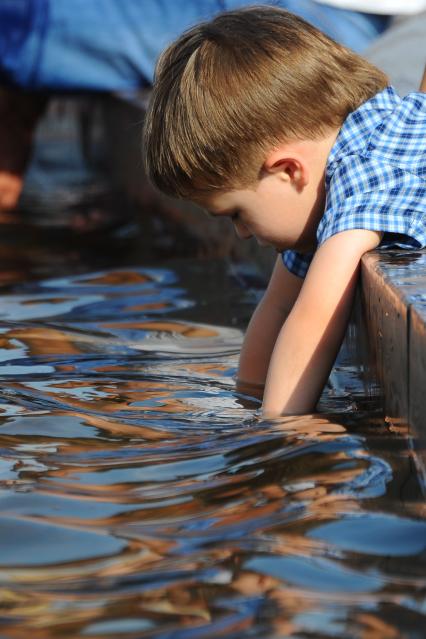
x=259 y=117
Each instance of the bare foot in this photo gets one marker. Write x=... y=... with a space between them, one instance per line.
x=19 y=114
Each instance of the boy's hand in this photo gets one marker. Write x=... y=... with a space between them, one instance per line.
x=263 y=329
x=308 y=342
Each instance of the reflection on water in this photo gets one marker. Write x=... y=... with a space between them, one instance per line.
x=142 y=497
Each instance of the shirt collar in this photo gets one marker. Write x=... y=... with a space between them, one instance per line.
x=356 y=129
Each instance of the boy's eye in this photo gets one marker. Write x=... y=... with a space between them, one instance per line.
x=233 y=215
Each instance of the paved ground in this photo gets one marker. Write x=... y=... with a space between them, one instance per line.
x=401 y=53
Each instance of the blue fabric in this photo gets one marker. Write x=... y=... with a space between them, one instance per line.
x=22 y=32
x=376 y=175
x=113 y=44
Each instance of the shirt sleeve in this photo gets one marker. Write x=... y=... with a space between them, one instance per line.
x=375 y=196
x=297 y=263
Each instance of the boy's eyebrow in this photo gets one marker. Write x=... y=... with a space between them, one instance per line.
x=212 y=213
x=227 y=213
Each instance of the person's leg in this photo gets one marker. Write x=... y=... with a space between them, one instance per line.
x=19 y=114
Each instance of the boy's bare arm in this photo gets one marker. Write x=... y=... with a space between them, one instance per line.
x=309 y=341
x=263 y=329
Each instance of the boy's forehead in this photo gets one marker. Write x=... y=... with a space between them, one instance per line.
x=221 y=202
x=213 y=202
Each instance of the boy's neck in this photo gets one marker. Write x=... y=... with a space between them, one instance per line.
x=316 y=152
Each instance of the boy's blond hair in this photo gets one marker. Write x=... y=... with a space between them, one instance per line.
x=229 y=90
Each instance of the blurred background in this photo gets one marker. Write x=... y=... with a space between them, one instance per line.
x=140 y=495
x=75 y=78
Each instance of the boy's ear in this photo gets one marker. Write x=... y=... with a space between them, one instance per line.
x=290 y=166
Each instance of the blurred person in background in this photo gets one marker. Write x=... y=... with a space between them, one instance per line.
x=57 y=46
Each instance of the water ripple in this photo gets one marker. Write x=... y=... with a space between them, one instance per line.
x=141 y=496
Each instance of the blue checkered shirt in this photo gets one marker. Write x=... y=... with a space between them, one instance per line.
x=376 y=175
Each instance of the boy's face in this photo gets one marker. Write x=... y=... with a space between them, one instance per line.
x=284 y=207
x=278 y=211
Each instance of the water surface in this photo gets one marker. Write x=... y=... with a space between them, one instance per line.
x=140 y=496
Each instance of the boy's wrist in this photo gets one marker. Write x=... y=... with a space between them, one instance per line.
x=254 y=389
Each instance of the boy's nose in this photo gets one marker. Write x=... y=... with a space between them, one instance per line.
x=241 y=230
